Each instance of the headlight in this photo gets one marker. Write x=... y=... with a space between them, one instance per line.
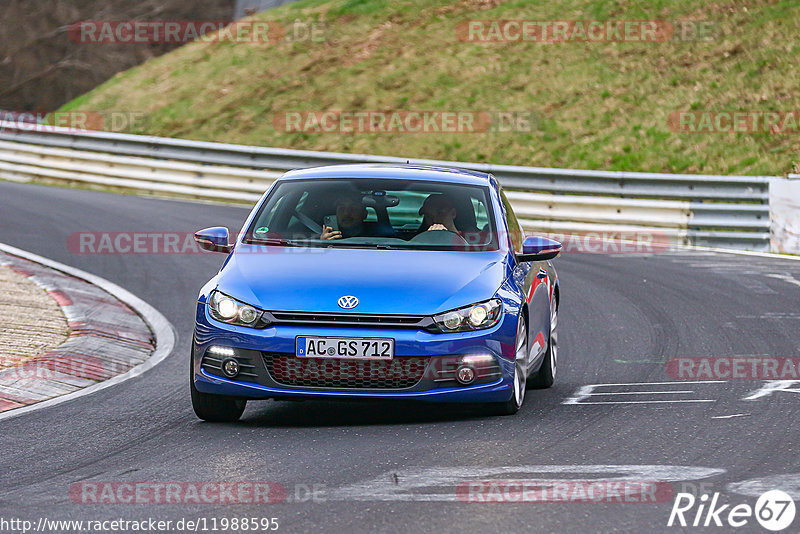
x=475 y=317
x=228 y=310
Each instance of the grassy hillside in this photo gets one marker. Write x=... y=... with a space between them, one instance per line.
x=593 y=105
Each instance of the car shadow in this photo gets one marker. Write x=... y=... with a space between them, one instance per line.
x=316 y=413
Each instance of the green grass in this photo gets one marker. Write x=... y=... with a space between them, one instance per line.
x=592 y=105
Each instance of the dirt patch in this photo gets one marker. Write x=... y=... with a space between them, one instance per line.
x=33 y=323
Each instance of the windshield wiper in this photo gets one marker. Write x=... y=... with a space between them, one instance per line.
x=334 y=243
x=271 y=241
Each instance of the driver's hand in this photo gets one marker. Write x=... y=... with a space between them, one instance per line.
x=437 y=227
x=330 y=233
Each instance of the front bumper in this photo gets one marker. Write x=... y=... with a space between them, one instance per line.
x=259 y=351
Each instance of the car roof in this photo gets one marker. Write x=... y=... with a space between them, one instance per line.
x=392 y=171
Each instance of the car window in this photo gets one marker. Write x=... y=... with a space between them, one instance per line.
x=269 y=215
x=481 y=213
x=514 y=229
x=377 y=212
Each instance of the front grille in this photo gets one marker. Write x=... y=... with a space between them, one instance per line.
x=349 y=319
x=399 y=373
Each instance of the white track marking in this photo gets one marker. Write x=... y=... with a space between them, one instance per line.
x=772 y=316
x=730 y=416
x=643 y=392
x=771 y=255
x=771 y=386
x=163 y=331
x=437 y=484
x=786 y=278
x=663 y=383
x=790 y=483
x=646 y=401
x=588 y=391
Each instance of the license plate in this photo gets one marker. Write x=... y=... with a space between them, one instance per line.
x=357 y=348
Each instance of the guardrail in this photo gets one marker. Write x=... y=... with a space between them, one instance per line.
x=726 y=211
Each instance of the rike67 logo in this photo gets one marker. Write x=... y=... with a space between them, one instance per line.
x=774 y=510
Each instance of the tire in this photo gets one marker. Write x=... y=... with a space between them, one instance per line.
x=512 y=405
x=547 y=373
x=215 y=408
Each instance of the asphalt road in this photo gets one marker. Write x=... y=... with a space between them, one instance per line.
x=389 y=468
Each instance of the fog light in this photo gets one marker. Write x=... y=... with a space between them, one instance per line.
x=465 y=375
x=478 y=360
x=230 y=368
x=221 y=351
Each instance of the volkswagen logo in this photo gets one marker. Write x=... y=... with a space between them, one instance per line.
x=348 y=302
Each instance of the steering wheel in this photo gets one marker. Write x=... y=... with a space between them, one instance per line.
x=439 y=237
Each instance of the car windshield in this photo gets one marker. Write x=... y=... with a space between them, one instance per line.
x=376 y=213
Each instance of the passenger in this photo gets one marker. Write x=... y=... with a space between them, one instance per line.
x=438 y=213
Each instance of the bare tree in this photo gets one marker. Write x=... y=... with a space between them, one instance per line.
x=41 y=68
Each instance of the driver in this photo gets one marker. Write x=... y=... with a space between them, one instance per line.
x=438 y=213
x=350 y=215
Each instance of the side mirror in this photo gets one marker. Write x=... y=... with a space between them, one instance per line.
x=536 y=248
x=213 y=239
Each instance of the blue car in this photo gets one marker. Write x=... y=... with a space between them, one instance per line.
x=376 y=282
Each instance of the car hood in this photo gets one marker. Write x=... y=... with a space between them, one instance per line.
x=409 y=282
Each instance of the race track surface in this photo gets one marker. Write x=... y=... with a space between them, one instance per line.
x=388 y=468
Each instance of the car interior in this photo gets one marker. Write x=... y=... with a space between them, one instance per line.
x=392 y=214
